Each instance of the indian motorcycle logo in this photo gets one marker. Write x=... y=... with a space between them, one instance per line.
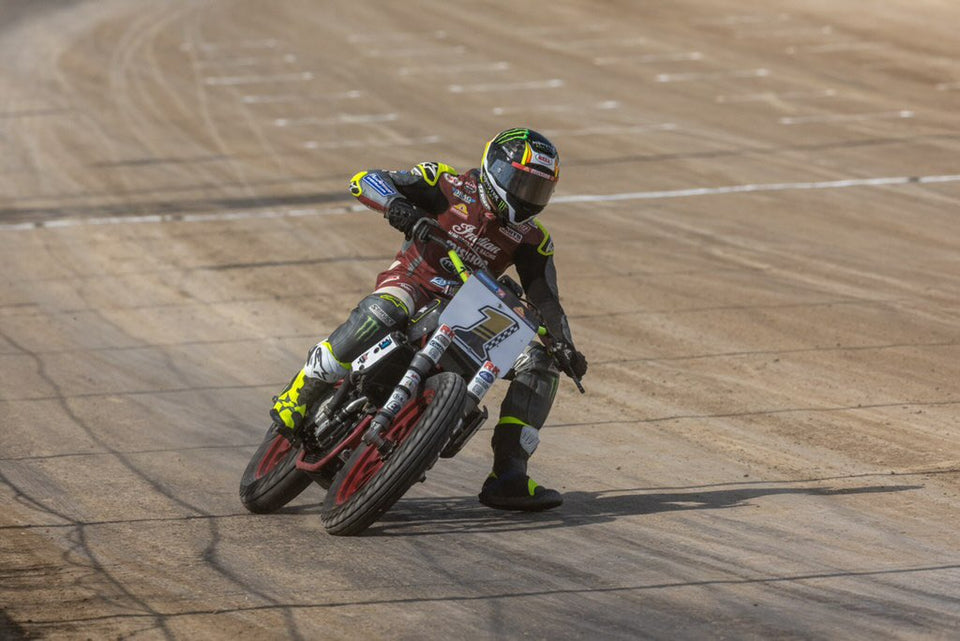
x=484 y=245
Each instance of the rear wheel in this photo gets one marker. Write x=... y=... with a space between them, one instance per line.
x=368 y=485
x=272 y=479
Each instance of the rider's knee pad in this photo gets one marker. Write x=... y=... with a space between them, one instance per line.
x=533 y=388
x=373 y=318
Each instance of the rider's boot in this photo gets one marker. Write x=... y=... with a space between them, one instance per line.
x=508 y=487
x=290 y=407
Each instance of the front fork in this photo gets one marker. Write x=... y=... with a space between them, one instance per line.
x=425 y=360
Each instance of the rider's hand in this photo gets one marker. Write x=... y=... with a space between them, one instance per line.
x=403 y=214
x=570 y=360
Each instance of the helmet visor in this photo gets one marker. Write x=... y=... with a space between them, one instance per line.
x=524 y=183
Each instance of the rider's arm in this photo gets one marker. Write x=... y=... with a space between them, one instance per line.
x=538 y=275
x=377 y=188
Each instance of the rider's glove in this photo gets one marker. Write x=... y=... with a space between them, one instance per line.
x=569 y=359
x=403 y=214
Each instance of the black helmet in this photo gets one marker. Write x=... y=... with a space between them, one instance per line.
x=520 y=168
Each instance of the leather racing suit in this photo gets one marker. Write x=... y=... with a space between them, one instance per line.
x=422 y=272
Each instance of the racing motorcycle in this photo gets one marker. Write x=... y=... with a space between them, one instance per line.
x=411 y=399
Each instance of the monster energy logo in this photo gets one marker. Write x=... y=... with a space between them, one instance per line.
x=511 y=134
x=367 y=329
x=491 y=330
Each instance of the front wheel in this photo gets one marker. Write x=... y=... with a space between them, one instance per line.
x=368 y=485
x=271 y=479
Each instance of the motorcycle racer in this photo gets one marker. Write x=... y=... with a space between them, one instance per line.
x=490 y=212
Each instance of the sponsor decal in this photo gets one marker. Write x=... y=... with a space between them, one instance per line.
x=481 y=244
x=512 y=234
x=384 y=317
x=379 y=185
x=541 y=174
x=550 y=162
x=410 y=381
x=464 y=197
x=443 y=283
x=486 y=377
x=490 y=367
x=461 y=210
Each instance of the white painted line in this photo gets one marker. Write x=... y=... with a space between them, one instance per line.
x=693 y=77
x=583 y=198
x=785 y=33
x=544 y=31
x=418 y=52
x=803 y=120
x=249 y=61
x=635 y=41
x=606 y=105
x=300 y=76
x=229 y=62
x=740 y=189
x=363 y=144
x=553 y=83
x=176 y=218
x=948 y=86
x=749 y=19
x=648 y=58
x=612 y=130
x=461 y=68
x=282 y=98
x=267 y=43
x=835 y=47
x=394 y=36
x=265 y=100
x=770 y=95
x=339 y=119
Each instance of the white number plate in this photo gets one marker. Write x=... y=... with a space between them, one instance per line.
x=489 y=323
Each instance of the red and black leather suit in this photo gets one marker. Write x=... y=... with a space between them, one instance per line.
x=420 y=273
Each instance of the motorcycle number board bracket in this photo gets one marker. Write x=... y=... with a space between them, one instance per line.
x=488 y=322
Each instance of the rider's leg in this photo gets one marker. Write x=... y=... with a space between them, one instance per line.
x=329 y=361
x=523 y=412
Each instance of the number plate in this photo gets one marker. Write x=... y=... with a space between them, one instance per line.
x=488 y=322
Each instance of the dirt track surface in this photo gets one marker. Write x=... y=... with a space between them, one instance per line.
x=757 y=233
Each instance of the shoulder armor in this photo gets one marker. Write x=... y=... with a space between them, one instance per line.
x=546 y=245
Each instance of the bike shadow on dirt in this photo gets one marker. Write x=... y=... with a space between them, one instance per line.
x=415 y=516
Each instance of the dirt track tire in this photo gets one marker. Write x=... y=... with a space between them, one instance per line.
x=367 y=487
x=271 y=479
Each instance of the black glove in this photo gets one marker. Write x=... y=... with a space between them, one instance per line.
x=403 y=214
x=572 y=362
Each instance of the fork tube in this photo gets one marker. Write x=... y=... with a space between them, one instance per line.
x=421 y=364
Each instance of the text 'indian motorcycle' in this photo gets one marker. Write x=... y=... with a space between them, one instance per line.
x=410 y=399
